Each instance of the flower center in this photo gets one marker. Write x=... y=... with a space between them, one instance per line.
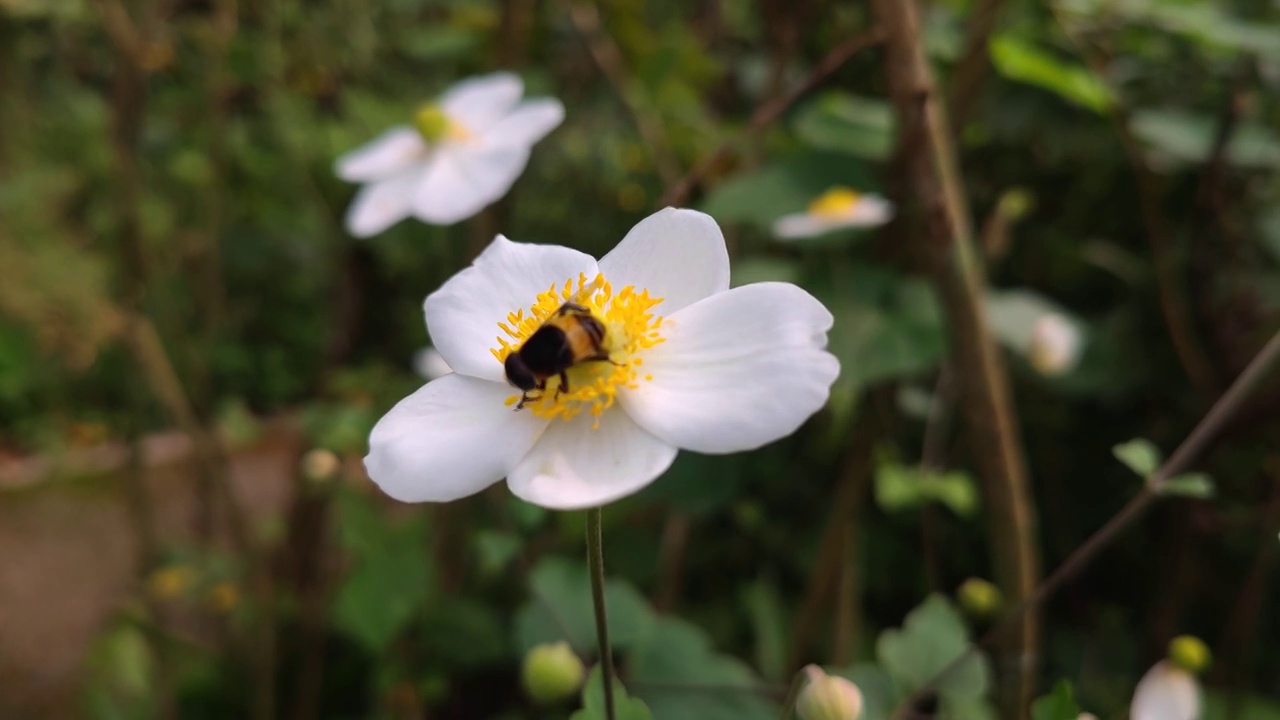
x=435 y=125
x=834 y=203
x=630 y=327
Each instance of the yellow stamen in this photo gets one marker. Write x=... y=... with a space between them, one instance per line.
x=435 y=125
x=630 y=327
x=835 y=202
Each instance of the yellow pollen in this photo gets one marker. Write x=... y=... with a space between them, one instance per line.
x=630 y=327
x=835 y=202
x=435 y=125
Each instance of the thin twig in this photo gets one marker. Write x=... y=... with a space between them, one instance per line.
x=771 y=110
x=1194 y=444
x=975 y=62
x=595 y=563
x=949 y=254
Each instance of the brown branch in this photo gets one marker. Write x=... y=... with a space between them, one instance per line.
x=769 y=111
x=1193 y=446
x=982 y=384
x=975 y=62
x=608 y=57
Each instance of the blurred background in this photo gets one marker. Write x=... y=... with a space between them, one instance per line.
x=192 y=353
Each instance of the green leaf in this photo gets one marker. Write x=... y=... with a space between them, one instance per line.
x=1189 y=137
x=561 y=609
x=593 y=707
x=760 y=197
x=1018 y=60
x=879 y=693
x=1223 y=706
x=680 y=677
x=1192 y=485
x=844 y=123
x=933 y=636
x=1060 y=704
x=1140 y=455
x=899 y=487
x=768 y=626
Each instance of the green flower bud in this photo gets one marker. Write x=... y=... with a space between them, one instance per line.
x=828 y=697
x=1190 y=653
x=432 y=122
x=980 y=598
x=552 y=672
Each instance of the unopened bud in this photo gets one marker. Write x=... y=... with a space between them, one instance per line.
x=828 y=697
x=1190 y=653
x=1055 y=346
x=980 y=598
x=320 y=465
x=552 y=672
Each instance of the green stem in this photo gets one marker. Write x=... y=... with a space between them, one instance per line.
x=595 y=561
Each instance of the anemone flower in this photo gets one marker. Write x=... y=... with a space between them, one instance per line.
x=680 y=361
x=463 y=151
x=839 y=207
x=1055 y=345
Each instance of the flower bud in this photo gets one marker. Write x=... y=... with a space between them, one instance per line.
x=828 y=697
x=552 y=672
x=1055 y=345
x=1190 y=653
x=980 y=598
x=320 y=465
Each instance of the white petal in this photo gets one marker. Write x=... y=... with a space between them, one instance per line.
x=382 y=203
x=463 y=315
x=527 y=124
x=393 y=151
x=1166 y=693
x=460 y=182
x=737 y=370
x=800 y=225
x=478 y=103
x=677 y=255
x=870 y=210
x=430 y=364
x=576 y=466
x=452 y=438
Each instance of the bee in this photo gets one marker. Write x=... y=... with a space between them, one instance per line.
x=571 y=336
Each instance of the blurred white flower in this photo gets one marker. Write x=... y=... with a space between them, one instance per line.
x=828 y=697
x=463 y=152
x=839 y=207
x=1055 y=344
x=430 y=364
x=1166 y=692
x=689 y=363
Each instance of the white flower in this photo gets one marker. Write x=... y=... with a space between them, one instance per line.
x=839 y=207
x=1166 y=692
x=828 y=697
x=430 y=364
x=692 y=365
x=463 y=152
x=1055 y=344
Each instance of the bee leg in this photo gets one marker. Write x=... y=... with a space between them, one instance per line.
x=563 y=386
x=524 y=398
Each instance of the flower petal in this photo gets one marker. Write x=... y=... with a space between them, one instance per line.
x=870 y=211
x=479 y=102
x=800 y=225
x=395 y=150
x=737 y=370
x=463 y=315
x=527 y=124
x=452 y=438
x=677 y=255
x=1166 y=693
x=382 y=203
x=460 y=181
x=575 y=466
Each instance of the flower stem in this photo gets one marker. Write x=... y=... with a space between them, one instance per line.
x=595 y=561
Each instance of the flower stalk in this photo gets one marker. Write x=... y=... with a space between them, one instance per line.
x=595 y=563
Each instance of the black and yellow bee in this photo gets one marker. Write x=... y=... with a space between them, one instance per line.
x=571 y=336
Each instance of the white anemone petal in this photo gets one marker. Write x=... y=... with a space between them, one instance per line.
x=575 y=466
x=459 y=182
x=382 y=203
x=527 y=124
x=388 y=154
x=463 y=315
x=452 y=438
x=480 y=102
x=1166 y=692
x=677 y=255
x=800 y=225
x=737 y=370
x=870 y=211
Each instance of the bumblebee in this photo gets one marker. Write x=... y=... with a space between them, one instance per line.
x=571 y=336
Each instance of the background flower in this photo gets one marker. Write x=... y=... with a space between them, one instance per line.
x=695 y=365
x=464 y=151
x=839 y=207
